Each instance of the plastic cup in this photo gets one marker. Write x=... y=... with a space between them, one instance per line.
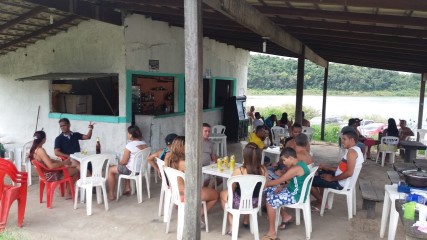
x=232 y=163
x=409 y=212
x=219 y=164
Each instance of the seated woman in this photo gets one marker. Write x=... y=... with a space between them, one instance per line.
x=38 y=153
x=176 y=160
x=279 y=195
x=134 y=145
x=251 y=165
x=161 y=153
x=284 y=122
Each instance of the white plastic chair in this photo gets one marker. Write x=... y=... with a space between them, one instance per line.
x=247 y=187
x=422 y=134
x=308 y=131
x=25 y=160
x=303 y=204
x=165 y=192
x=277 y=133
x=96 y=180
x=173 y=175
x=140 y=162
x=218 y=129
x=349 y=190
x=388 y=145
x=220 y=143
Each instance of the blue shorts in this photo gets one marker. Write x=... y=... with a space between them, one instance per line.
x=319 y=182
x=278 y=199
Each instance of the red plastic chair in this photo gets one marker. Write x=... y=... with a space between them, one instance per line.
x=51 y=185
x=10 y=193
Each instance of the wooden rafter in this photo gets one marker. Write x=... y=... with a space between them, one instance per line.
x=83 y=9
x=39 y=32
x=420 y=5
x=248 y=16
x=345 y=16
x=294 y=25
x=21 y=18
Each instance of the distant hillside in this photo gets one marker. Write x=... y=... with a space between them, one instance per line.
x=280 y=75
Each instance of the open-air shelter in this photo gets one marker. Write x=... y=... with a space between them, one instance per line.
x=381 y=34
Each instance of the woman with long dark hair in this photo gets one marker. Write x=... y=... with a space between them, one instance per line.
x=251 y=165
x=37 y=152
x=391 y=130
x=134 y=145
x=176 y=160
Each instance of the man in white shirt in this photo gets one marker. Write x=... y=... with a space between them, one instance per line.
x=337 y=177
x=258 y=121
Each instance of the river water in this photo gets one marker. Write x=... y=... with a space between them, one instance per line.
x=362 y=107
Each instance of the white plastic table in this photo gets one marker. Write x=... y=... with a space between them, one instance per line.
x=221 y=140
x=390 y=195
x=78 y=156
x=213 y=170
x=271 y=150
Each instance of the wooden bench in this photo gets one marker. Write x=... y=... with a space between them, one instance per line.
x=394 y=177
x=370 y=197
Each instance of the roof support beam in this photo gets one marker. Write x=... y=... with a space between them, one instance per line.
x=242 y=12
x=420 y=5
x=346 y=27
x=344 y=16
x=21 y=18
x=83 y=9
x=40 y=31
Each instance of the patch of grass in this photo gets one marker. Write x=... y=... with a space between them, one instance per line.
x=12 y=234
x=331 y=133
x=288 y=108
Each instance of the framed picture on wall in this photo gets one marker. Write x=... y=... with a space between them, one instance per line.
x=153 y=65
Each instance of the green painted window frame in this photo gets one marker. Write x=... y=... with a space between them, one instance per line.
x=214 y=79
x=128 y=118
x=181 y=87
x=87 y=117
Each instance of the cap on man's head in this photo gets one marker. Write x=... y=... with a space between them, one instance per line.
x=169 y=138
x=351 y=121
x=358 y=119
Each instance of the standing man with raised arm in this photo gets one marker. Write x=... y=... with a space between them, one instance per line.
x=68 y=142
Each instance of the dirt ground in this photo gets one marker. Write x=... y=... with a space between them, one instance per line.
x=126 y=219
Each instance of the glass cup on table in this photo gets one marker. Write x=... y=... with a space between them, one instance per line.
x=225 y=162
x=219 y=164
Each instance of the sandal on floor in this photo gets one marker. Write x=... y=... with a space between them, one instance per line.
x=315 y=209
x=126 y=193
x=246 y=225
x=283 y=225
x=266 y=237
x=229 y=233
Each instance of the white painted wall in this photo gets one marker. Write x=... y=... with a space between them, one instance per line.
x=92 y=46
x=147 y=39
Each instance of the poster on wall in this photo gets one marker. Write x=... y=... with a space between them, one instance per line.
x=153 y=65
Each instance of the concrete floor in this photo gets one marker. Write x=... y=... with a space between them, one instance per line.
x=126 y=219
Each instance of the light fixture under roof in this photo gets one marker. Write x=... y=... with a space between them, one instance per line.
x=264 y=44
